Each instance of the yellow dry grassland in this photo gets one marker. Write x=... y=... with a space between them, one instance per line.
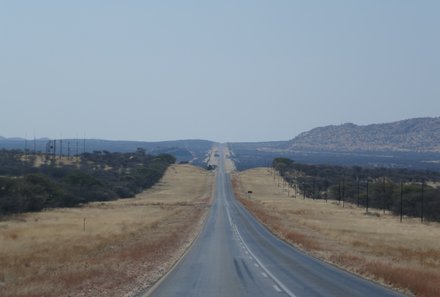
x=229 y=163
x=104 y=248
x=376 y=245
x=41 y=159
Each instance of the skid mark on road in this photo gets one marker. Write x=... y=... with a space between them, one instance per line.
x=278 y=286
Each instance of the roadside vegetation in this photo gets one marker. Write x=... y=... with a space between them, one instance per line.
x=374 y=244
x=110 y=248
x=35 y=182
x=400 y=191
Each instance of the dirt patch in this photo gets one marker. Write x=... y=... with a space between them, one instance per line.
x=403 y=255
x=229 y=163
x=105 y=248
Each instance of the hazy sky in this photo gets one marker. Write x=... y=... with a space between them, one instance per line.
x=218 y=70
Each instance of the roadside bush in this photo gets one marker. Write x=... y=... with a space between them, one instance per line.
x=349 y=183
x=102 y=176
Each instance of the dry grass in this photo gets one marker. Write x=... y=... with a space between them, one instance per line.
x=127 y=244
x=39 y=160
x=229 y=163
x=404 y=255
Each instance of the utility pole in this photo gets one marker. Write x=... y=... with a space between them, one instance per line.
x=421 y=206
x=25 y=144
x=367 y=196
x=54 y=148
x=401 y=201
x=61 y=148
x=383 y=194
x=358 y=186
x=339 y=193
x=35 y=143
x=77 y=146
x=343 y=191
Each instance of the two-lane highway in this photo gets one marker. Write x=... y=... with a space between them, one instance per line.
x=236 y=256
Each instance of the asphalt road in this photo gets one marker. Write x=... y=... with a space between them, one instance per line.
x=236 y=256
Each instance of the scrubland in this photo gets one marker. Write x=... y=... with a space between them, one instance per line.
x=104 y=248
x=375 y=245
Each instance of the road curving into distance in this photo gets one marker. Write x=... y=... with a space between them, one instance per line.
x=235 y=255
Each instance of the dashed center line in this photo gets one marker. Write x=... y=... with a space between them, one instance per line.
x=264 y=274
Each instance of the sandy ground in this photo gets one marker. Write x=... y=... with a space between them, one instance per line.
x=405 y=255
x=106 y=248
x=229 y=163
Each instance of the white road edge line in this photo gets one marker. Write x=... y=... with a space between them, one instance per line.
x=277 y=281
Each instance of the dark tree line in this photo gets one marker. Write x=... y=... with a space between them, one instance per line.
x=99 y=176
x=397 y=190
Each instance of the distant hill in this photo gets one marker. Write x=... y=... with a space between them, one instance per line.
x=413 y=135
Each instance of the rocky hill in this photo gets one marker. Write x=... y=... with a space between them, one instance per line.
x=413 y=135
